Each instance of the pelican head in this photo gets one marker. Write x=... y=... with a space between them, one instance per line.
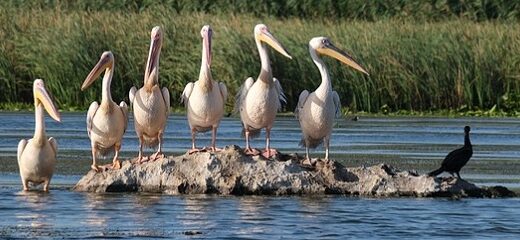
x=262 y=34
x=324 y=46
x=42 y=97
x=106 y=61
x=155 y=51
x=206 y=34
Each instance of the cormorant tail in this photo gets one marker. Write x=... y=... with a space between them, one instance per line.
x=436 y=172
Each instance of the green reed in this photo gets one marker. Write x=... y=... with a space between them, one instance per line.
x=416 y=66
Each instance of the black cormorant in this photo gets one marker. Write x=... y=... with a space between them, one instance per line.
x=457 y=158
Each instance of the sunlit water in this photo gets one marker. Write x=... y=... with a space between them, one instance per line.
x=408 y=143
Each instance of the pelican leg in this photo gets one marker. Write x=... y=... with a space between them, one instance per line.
x=249 y=150
x=116 y=164
x=159 y=153
x=268 y=150
x=46 y=185
x=193 y=149
x=25 y=184
x=94 y=154
x=307 y=161
x=214 y=140
x=140 y=156
x=327 y=142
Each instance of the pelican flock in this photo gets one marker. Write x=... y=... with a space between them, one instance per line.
x=259 y=101
x=37 y=156
x=106 y=122
x=205 y=98
x=151 y=104
x=316 y=111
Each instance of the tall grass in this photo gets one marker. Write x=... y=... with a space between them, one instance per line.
x=413 y=66
x=431 y=10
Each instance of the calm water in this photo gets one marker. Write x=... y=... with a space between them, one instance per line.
x=409 y=143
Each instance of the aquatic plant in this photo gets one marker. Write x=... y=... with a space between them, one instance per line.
x=414 y=66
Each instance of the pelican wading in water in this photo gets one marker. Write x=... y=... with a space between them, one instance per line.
x=258 y=101
x=106 y=122
x=205 y=98
x=316 y=111
x=151 y=104
x=37 y=156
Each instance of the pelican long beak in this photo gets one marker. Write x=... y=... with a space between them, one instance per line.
x=268 y=38
x=104 y=62
x=41 y=95
x=155 y=51
x=206 y=41
x=333 y=51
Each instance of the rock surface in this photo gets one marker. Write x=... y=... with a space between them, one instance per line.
x=232 y=172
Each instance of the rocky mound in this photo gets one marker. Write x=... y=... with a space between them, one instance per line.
x=232 y=172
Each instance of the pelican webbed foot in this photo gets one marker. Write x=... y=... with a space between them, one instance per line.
x=213 y=149
x=308 y=163
x=196 y=150
x=156 y=156
x=251 y=151
x=116 y=164
x=271 y=152
x=95 y=168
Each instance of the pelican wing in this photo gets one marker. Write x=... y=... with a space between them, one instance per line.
x=187 y=93
x=301 y=102
x=280 y=93
x=54 y=145
x=131 y=94
x=21 y=147
x=242 y=93
x=166 y=97
x=90 y=115
x=223 y=91
x=124 y=109
x=337 y=103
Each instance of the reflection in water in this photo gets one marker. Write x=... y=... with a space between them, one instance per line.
x=67 y=214
x=94 y=217
x=35 y=202
x=251 y=215
x=199 y=212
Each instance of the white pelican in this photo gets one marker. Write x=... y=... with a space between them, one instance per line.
x=258 y=101
x=37 y=156
x=106 y=122
x=151 y=105
x=205 y=98
x=316 y=110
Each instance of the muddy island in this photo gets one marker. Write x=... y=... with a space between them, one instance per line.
x=231 y=172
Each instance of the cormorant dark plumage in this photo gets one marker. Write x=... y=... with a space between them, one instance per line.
x=456 y=159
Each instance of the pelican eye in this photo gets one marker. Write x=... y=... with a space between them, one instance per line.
x=325 y=42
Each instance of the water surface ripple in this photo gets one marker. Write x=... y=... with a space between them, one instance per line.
x=409 y=143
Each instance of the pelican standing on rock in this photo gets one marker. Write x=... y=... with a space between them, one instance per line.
x=106 y=122
x=37 y=156
x=316 y=111
x=151 y=105
x=258 y=101
x=205 y=98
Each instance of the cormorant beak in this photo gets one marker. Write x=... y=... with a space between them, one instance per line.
x=332 y=51
x=155 y=51
x=41 y=96
x=106 y=61
x=268 y=38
